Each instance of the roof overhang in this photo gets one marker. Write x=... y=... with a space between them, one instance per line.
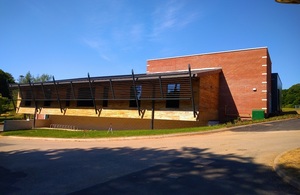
x=148 y=76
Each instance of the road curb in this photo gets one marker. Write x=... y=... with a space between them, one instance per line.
x=282 y=174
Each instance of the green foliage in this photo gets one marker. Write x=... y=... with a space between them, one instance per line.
x=4 y=104
x=30 y=78
x=291 y=96
x=4 y=79
x=11 y=116
x=43 y=78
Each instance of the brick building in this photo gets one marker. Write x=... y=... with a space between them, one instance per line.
x=245 y=80
x=182 y=91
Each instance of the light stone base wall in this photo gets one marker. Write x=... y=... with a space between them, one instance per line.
x=112 y=113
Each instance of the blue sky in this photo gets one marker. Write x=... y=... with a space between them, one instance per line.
x=70 y=38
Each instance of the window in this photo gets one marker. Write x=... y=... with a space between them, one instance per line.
x=48 y=95
x=173 y=96
x=105 y=97
x=28 y=99
x=132 y=101
x=68 y=97
x=84 y=94
x=27 y=103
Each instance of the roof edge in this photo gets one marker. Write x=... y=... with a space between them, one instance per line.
x=209 y=53
x=193 y=70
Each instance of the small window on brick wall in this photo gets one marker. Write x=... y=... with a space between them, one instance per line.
x=173 y=96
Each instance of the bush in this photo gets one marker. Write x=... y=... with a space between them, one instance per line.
x=4 y=104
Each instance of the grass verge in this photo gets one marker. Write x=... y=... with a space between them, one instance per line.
x=55 y=133
x=289 y=163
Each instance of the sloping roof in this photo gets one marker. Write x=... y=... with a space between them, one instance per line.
x=148 y=76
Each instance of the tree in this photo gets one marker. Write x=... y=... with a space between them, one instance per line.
x=291 y=96
x=4 y=79
x=26 y=79
x=4 y=104
x=43 y=78
x=29 y=77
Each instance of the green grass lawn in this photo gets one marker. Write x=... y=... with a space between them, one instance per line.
x=291 y=110
x=55 y=133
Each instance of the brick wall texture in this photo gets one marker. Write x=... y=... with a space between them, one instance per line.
x=245 y=81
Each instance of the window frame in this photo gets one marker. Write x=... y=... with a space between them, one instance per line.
x=173 y=91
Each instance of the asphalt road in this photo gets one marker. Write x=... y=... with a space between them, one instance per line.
x=236 y=161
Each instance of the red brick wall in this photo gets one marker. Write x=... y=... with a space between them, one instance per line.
x=242 y=70
x=208 y=98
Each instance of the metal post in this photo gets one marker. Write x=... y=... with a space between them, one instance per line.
x=57 y=95
x=35 y=104
x=160 y=87
x=112 y=88
x=32 y=95
x=135 y=94
x=72 y=88
x=92 y=95
x=153 y=107
x=192 y=91
x=43 y=90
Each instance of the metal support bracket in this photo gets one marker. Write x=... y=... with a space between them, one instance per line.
x=32 y=95
x=72 y=89
x=43 y=89
x=92 y=95
x=192 y=91
x=112 y=88
x=57 y=95
x=135 y=94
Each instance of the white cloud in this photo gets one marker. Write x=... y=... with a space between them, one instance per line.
x=172 y=15
x=98 y=46
x=123 y=28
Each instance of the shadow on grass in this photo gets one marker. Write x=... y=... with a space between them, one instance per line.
x=126 y=170
x=290 y=112
x=292 y=172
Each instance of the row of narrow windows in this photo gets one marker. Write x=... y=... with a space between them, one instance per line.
x=173 y=93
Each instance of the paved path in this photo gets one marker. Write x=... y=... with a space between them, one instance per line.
x=238 y=161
